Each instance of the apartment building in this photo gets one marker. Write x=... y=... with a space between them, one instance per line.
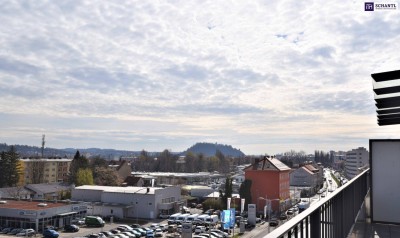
x=270 y=182
x=45 y=170
x=356 y=159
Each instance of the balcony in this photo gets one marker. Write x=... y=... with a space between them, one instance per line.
x=344 y=213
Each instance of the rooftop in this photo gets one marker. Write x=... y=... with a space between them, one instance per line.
x=112 y=189
x=29 y=205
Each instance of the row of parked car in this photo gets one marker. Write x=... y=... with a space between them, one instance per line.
x=17 y=231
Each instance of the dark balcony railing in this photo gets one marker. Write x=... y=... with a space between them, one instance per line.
x=330 y=217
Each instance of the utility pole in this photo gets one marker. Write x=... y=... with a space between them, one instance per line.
x=43 y=142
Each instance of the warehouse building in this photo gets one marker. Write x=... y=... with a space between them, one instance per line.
x=129 y=202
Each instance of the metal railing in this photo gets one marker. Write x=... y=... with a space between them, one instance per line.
x=330 y=217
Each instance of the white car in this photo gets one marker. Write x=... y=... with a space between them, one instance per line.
x=158 y=233
x=163 y=227
x=224 y=234
x=26 y=232
x=154 y=226
x=200 y=229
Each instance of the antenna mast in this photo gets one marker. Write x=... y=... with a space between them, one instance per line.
x=43 y=142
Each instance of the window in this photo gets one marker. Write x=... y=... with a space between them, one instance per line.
x=111 y=211
x=150 y=203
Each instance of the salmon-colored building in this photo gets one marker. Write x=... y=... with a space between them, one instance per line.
x=270 y=182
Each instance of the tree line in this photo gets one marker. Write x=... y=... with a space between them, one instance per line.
x=83 y=171
x=191 y=163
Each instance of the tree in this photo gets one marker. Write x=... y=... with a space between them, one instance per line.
x=245 y=192
x=10 y=168
x=228 y=191
x=98 y=162
x=79 y=162
x=106 y=177
x=84 y=177
x=212 y=203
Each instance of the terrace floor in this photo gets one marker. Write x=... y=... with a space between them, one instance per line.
x=363 y=228
x=374 y=230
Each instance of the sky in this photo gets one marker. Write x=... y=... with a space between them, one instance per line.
x=266 y=77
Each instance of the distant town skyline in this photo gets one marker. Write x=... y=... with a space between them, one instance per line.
x=264 y=77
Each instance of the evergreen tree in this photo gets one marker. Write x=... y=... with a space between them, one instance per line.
x=245 y=192
x=228 y=191
x=79 y=162
x=10 y=168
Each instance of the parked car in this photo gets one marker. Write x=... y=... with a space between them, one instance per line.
x=140 y=230
x=6 y=230
x=163 y=216
x=171 y=228
x=51 y=228
x=135 y=225
x=78 y=221
x=150 y=234
x=158 y=232
x=107 y=233
x=163 y=227
x=71 y=228
x=49 y=233
x=199 y=229
x=273 y=222
x=15 y=231
x=26 y=232
x=154 y=226
x=289 y=212
x=283 y=216
x=224 y=234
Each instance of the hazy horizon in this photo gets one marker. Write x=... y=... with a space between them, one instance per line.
x=265 y=77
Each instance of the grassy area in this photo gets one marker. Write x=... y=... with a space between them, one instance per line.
x=338 y=183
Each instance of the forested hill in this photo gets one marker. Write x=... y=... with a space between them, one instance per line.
x=209 y=149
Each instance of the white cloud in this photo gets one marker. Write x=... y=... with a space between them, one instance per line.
x=263 y=76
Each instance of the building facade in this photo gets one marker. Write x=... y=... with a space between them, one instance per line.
x=270 y=183
x=45 y=170
x=37 y=215
x=356 y=159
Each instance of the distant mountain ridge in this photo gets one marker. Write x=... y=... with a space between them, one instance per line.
x=209 y=149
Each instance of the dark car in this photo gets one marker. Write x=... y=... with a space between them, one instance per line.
x=71 y=228
x=6 y=230
x=274 y=222
x=15 y=231
x=283 y=216
x=49 y=233
x=115 y=231
x=135 y=226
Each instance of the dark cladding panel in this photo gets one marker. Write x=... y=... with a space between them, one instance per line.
x=388 y=90
x=386 y=76
x=388 y=111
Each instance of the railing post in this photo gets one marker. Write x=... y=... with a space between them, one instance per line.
x=315 y=221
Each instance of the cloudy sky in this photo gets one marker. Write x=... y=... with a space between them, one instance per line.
x=262 y=76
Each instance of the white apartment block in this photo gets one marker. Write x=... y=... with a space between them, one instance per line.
x=355 y=160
